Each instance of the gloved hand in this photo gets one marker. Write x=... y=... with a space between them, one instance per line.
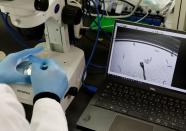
x=47 y=76
x=8 y=66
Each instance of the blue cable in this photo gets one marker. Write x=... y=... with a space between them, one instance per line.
x=92 y=88
x=13 y=33
x=97 y=66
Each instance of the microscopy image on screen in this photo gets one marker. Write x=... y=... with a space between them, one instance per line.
x=145 y=56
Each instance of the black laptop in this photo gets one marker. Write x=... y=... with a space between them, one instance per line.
x=145 y=86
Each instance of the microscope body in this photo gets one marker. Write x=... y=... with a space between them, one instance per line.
x=32 y=13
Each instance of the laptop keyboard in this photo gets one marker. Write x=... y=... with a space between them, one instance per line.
x=147 y=105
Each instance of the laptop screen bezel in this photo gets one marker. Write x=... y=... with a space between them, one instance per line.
x=143 y=85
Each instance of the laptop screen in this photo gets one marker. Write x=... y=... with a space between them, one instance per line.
x=149 y=55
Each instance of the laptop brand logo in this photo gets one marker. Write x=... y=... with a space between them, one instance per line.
x=152 y=89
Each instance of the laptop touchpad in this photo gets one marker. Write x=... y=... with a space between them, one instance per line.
x=125 y=124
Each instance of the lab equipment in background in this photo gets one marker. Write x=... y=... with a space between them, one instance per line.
x=146 y=11
x=29 y=14
x=107 y=24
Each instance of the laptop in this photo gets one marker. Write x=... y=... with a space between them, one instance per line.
x=145 y=84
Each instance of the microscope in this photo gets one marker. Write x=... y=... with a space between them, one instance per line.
x=55 y=15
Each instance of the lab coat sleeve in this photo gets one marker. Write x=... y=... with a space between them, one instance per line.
x=48 y=115
x=12 y=114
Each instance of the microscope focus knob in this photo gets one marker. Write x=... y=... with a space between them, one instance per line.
x=73 y=91
x=41 y=5
x=71 y=15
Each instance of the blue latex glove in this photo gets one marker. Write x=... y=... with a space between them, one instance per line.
x=47 y=76
x=8 y=66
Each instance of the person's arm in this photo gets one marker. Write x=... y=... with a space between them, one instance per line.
x=48 y=115
x=49 y=84
x=12 y=115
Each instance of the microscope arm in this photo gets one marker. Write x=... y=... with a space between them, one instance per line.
x=28 y=14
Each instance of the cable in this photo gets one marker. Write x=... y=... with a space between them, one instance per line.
x=128 y=3
x=124 y=16
x=97 y=66
x=170 y=9
x=105 y=8
x=87 y=11
x=13 y=33
x=94 y=28
x=147 y=13
x=125 y=1
x=96 y=41
x=92 y=88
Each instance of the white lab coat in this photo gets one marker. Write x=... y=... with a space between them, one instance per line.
x=47 y=114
